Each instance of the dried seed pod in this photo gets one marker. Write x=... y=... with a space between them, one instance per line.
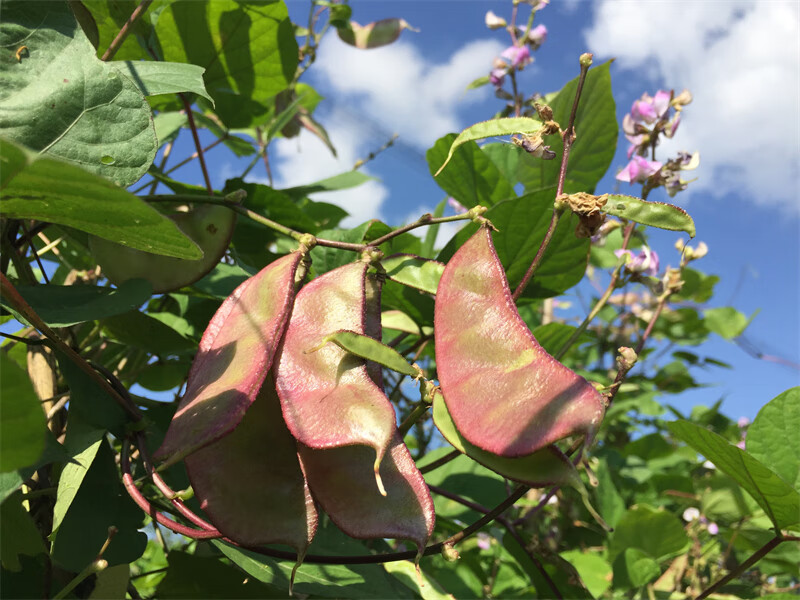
x=233 y=360
x=337 y=481
x=251 y=500
x=209 y=226
x=506 y=394
x=328 y=398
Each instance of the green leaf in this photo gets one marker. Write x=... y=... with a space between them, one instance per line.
x=110 y=16
x=22 y=422
x=89 y=402
x=634 y=568
x=610 y=504
x=82 y=443
x=597 y=131
x=20 y=536
x=157 y=78
x=65 y=305
x=726 y=322
x=399 y=321
x=484 y=129
x=100 y=503
x=553 y=336
x=370 y=349
x=425 y=586
x=479 y=82
x=427 y=247
x=247 y=49
x=470 y=177
x=168 y=124
x=95 y=117
x=414 y=271
x=656 y=532
x=593 y=569
x=56 y=192
x=163 y=376
x=773 y=439
x=324 y=259
x=192 y=576
x=522 y=224
x=655 y=214
x=561 y=573
x=342 y=181
x=336 y=581
x=142 y=331
x=779 y=500
x=511 y=160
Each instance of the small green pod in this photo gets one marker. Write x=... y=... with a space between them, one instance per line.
x=371 y=350
x=372 y=35
x=210 y=226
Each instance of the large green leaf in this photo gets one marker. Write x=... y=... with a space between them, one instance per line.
x=633 y=568
x=22 y=423
x=57 y=192
x=597 y=131
x=414 y=271
x=779 y=500
x=100 y=503
x=773 y=438
x=20 y=536
x=470 y=176
x=522 y=224
x=63 y=101
x=82 y=443
x=247 y=48
x=65 y=305
x=192 y=576
x=656 y=532
x=726 y=321
x=337 y=581
x=157 y=78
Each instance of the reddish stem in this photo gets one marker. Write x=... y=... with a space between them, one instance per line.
x=123 y=33
x=199 y=148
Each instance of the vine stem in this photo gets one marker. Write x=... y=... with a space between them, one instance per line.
x=198 y=147
x=754 y=558
x=568 y=138
x=25 y=309
x=123 y=33
x=231 y=201
x=509 y=527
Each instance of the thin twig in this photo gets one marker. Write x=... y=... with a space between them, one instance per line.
x=440 y=462
x=188 y=108
x=754 y=558
x=123 y=33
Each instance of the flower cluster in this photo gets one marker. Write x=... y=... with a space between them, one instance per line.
x=643 y=263
x=518 y=55
x=649 y=118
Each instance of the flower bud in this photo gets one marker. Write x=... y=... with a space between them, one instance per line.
x=682 y=99
x=494 y=22
x=449 y=553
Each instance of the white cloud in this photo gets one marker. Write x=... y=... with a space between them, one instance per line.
x=741 y=62
x=401 y=90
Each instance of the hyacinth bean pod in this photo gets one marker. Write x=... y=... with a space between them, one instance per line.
x=234 y=357
x=505 y=393
x=545 y=467
x=337 y=481
x=250 y=483
x=327 y=396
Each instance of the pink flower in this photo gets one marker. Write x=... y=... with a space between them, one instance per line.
x=646 y=261
x=740 y=445
x=713 y=528
x=537 y=36
x=638 y=170
x=649 y=109
x=518 y=55
x=743 y=422
x=484 y=540
x=456 y=205
x=497 y=76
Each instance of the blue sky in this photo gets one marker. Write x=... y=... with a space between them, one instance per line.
x=741 y=61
